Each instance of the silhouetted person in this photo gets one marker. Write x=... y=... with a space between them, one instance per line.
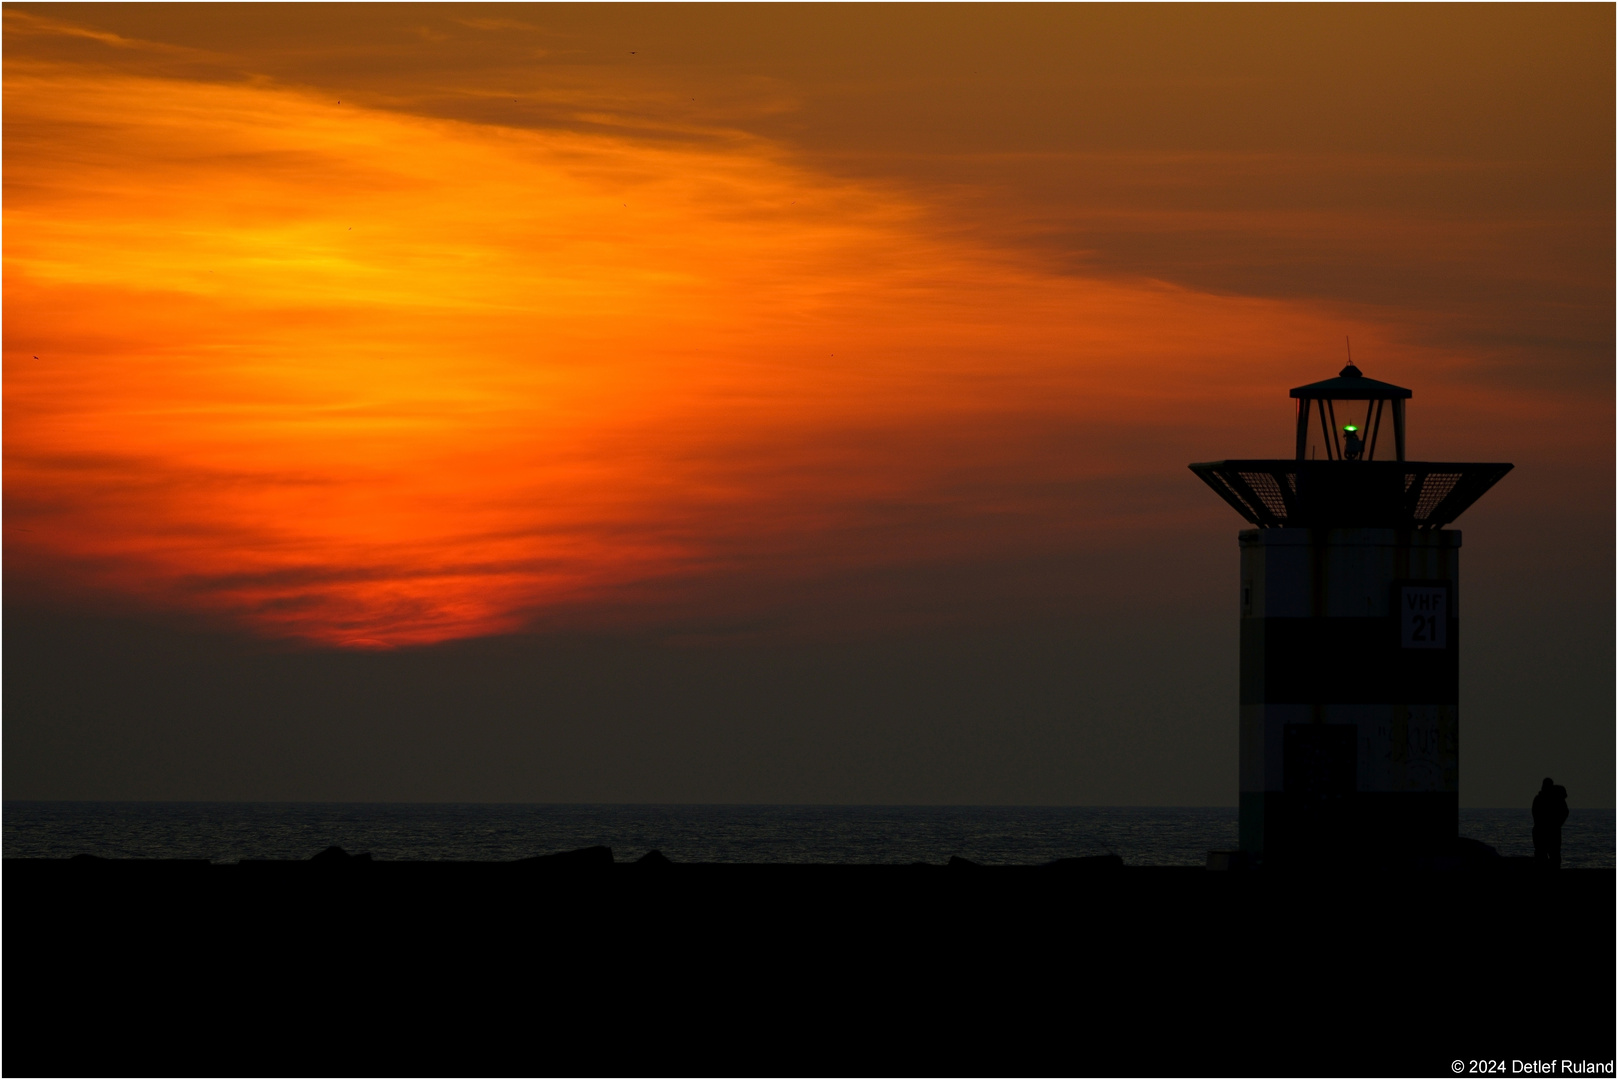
x=1550 y=810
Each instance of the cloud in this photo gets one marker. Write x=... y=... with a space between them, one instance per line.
x=350 y=375
x=27 y=23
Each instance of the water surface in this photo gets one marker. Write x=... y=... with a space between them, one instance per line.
x=227 y=832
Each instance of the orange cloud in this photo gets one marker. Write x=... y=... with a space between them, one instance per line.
x=369 y=379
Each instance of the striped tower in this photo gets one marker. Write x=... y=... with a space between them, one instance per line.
x=1350 y=634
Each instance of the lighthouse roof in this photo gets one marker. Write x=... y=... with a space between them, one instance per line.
x=1350 y=385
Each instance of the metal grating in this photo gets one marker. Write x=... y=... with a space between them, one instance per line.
x=1264 y=485
x=1235 y=498
x=1435 y=488
x=1286 y=493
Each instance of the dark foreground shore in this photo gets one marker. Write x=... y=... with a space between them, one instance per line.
x=579 y=965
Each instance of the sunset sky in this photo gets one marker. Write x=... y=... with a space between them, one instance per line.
x=767 y=403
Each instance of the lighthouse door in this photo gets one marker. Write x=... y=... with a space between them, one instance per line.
x=1319 y=771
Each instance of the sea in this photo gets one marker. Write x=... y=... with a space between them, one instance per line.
x=224 y=832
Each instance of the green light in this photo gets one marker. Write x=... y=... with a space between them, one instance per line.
x=1350 y=427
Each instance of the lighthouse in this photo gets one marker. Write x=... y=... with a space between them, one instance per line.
x=1350 y=632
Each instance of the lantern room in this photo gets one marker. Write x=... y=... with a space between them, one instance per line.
x=1353 y=435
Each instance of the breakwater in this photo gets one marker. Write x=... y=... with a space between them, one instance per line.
x=581 y=964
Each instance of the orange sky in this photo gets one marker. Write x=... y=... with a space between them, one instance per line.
x=378 y=326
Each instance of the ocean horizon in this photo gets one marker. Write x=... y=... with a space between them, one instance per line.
x=225 y=832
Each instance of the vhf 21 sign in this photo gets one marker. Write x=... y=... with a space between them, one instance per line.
x=1423 y=616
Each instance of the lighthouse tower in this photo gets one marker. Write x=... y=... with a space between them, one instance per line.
x=1350 y=632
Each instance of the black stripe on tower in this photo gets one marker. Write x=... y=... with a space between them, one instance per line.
x=1344 y=661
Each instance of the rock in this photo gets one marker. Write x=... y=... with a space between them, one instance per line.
x=1470 y=849
x=338 y=855
x=955 y=861
x=1087 y=864
x=654 y=858
x=590 y=856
